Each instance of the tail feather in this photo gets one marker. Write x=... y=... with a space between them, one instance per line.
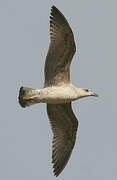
x=25 y=97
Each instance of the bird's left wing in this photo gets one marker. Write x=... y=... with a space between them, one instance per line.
x=64 y=126
x=61 y=50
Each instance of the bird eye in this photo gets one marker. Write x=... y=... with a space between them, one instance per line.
x=86 y=90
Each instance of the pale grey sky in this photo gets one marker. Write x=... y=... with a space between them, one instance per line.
x=25 y=134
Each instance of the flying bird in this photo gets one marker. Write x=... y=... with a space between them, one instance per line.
x=58 y=91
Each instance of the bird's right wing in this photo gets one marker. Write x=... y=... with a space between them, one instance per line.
x=61 y=50
x=64 y=126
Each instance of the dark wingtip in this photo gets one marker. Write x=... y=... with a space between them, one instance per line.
x=53 y=7
x=22 y=93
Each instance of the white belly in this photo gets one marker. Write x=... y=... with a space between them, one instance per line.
x=58 y=95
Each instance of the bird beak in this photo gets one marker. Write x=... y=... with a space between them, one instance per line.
x=94 y=94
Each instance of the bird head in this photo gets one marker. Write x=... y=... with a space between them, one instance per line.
x=86 y=92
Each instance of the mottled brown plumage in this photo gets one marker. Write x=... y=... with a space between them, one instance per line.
x=61 y=50
x=64 y=126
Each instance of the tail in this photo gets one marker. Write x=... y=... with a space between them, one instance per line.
x=26 y=96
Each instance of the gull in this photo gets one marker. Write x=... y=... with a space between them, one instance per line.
x=58 y=91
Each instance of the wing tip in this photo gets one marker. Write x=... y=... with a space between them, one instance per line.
x=55 y=13
x=57 y=171
x=54 y=8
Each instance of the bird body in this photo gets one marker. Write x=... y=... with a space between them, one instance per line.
x=58 y=91
x=52 y=95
